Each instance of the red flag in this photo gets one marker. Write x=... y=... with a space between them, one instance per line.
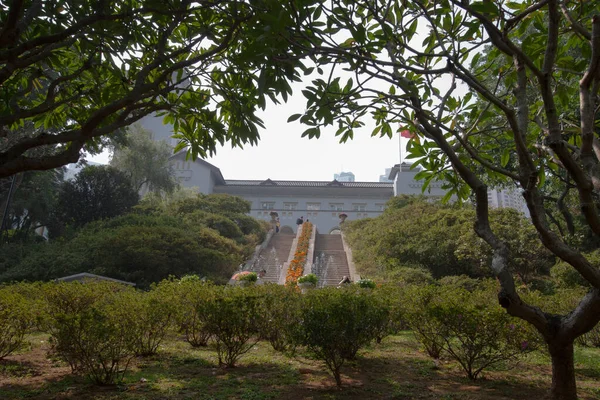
x=407 y=134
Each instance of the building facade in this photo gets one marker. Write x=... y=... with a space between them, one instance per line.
x=326 y=204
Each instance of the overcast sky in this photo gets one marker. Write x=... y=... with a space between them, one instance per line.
x=283 y=154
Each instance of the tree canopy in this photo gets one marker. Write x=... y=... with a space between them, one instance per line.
x=97 y=192
x=143 y=246
x=415 y=233
x=145 y=161
x=406 y=65
x=80 y=70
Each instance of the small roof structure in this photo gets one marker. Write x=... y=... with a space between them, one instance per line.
x=85 y=276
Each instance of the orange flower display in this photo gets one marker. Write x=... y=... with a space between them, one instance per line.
x=296 y=268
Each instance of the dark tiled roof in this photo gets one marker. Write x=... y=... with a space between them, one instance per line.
x=235 y=182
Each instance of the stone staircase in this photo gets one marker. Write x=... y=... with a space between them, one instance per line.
x=274 y=255
x=330 y=263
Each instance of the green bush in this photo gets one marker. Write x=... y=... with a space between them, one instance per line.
x=337 y=322
x=249 y=277
x=152 y=314
x=17 y=318
x=392 y=298
x=417 y=311
x=590 y=339
x=309 y=278
x=566 y=276
x=191 y=293
x=90 y=328
x=477 y=332
x=231 y=317
x=279 y=316
x=564 y=301
x=366 y=283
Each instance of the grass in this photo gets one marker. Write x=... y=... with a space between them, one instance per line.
x=395 y=369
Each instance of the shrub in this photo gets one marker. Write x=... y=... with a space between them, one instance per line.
x=336 y=323
x=152 y=314
x=16 y=320
x=477 y=332
x=566 y=276
x=391 y=297
x=90 y=328
x=366 y=283
x=309 y=278
x=590 y=339
x=230 y=314
x=191 y=294
x=246 y=276
x=417 y=312
x=279 y=316
x=460 y=281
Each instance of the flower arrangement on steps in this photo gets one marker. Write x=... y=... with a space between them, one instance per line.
x=296 y=268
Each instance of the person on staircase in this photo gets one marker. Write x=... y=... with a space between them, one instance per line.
x=345 y=280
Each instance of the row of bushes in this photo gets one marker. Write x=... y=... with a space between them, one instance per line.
x=99 y=327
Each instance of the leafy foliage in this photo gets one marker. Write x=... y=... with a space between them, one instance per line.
x=413 y=234
x=81 y=72
x=90 y=328
x=230 y=315
x=16 y=320
x=142 y=248
x=97 y=192
x=145 y=161
x=280 y=312
x=337 y=322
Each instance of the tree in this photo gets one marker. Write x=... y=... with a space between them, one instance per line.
x=82 y=70
x=145 y=161
x=33 y=198
x=97 y=192
x=406 y=61
x=420 y=234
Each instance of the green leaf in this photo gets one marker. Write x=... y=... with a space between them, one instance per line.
x=294 y=117
x=505 y=157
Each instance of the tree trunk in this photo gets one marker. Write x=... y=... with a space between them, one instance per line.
x=564 y=386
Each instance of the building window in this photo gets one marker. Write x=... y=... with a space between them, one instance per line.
x=359 y=207
x=380 y=207
x=268 y=205
x=336 y=206
x=313 y=206
x=289 y=206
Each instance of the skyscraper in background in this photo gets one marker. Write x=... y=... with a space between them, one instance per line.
x=344 y=177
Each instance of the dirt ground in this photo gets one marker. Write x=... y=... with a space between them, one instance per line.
x=396 y=369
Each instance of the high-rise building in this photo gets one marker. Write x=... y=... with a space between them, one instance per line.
x=386 y=177
x=507 y=198
x=344 y=177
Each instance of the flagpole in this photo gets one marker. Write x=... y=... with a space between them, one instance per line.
x=400 y=147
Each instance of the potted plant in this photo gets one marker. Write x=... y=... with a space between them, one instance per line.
x=245 y=278
x=307 y=282
x=366 y=283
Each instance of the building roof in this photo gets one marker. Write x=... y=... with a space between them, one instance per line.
x=214 y=169
x=334 y=183
x=404 y=167
x=84 y=276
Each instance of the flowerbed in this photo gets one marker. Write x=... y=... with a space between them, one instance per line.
x=296 y=268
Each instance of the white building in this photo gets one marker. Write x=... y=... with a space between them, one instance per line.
x=507 y=198
x=386 y=177
x=344 y=177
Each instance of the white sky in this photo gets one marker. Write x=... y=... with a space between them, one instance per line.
x=283 y=154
